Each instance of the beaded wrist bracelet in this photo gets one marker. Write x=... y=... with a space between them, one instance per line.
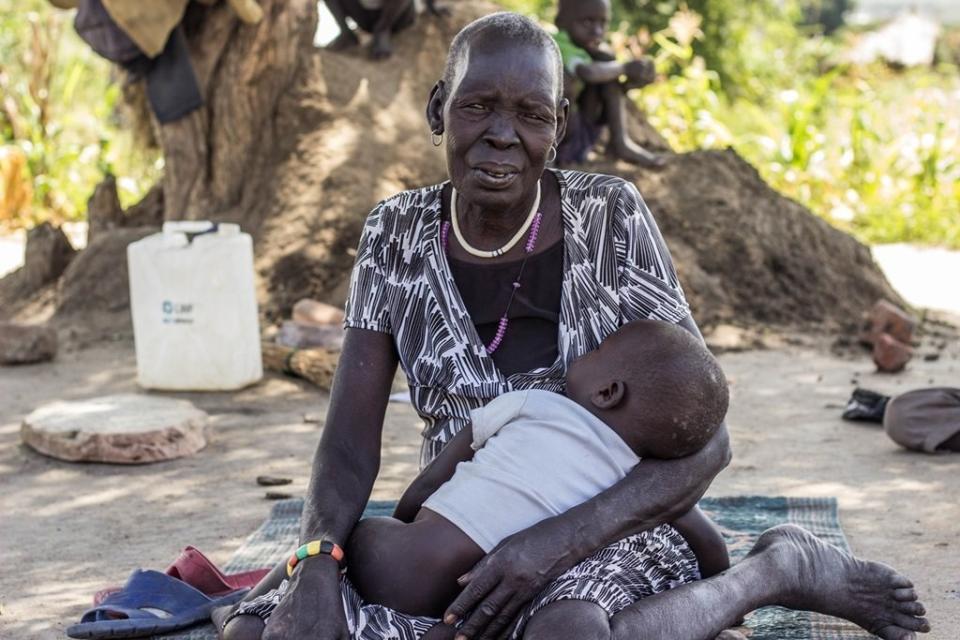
x=315 y=548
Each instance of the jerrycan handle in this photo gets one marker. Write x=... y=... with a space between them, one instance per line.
x=214 y=226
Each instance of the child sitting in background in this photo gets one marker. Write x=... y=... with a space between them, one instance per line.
x=592 y=84
x=650 y=390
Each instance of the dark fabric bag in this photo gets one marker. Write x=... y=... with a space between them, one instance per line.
x=97 y=29
x=172 y=87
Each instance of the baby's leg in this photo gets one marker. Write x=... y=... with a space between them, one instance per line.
x=705 y=541
x=411 y=568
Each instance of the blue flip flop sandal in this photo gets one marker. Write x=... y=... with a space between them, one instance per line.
x=150 y=603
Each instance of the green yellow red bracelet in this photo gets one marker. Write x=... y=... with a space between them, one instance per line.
x=315 y=548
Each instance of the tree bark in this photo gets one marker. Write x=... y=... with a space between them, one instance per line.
x=217 y=158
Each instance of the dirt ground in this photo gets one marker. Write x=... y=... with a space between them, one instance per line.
x=70 y=529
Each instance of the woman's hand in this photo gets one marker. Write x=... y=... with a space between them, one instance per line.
x=508 y=578
x=312 y=607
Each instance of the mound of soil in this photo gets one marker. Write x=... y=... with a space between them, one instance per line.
x=302 y=170
x=748 y=255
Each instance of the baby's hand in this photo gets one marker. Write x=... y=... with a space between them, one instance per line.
x=640 y=72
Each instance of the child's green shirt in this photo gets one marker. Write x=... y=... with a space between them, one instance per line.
x=572 y=55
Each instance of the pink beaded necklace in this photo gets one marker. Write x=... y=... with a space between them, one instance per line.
x=528 y=249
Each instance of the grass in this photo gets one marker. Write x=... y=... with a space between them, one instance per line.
x=875 y=152
x=61 y=129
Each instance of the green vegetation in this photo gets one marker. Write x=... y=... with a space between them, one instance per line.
x=60 y=128
x=873 y=151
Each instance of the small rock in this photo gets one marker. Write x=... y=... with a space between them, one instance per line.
x=726 y=338
x=887 y=318
x=272 y=481
x=26 y=344
x=298 y=335
x=890 y=355
x=312 y=312
x=931 y=357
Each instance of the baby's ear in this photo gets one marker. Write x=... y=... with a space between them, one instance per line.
x=609 y=396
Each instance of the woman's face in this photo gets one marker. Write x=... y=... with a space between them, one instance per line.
x=500 y=118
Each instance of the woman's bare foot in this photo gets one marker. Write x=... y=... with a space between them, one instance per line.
x=820 y=577
x=247 y=627
x=345 y=40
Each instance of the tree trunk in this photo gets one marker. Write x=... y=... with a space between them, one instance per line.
x=218 y=157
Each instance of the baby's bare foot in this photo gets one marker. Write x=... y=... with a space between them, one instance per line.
x=820 y=577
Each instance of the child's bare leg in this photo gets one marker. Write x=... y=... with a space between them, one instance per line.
x=340 y=9
x=247 y=627
x=621 y=144
x=394 y=16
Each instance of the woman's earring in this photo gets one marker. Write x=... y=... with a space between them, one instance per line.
x=436 y=138
x=553 y=156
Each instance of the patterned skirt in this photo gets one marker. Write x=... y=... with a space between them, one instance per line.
x=613 y=578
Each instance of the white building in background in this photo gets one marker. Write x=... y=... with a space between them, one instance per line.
x=873 y=11
x=909 y=40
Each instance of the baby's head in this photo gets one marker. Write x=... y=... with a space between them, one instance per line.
x=656 y=385
x=585 y=21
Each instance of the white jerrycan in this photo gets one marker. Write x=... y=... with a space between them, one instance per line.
x=194 y=308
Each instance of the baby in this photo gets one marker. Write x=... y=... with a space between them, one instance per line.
x=650 y=390
x=592 y=84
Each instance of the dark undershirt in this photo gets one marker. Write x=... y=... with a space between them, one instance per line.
x=531 y=338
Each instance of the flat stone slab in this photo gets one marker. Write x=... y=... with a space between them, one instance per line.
x=121 y=429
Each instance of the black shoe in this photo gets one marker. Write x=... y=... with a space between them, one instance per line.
x=865 y=405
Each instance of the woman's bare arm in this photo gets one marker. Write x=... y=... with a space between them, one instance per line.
x=654 y=493
x=344 y=469
x=348 y=457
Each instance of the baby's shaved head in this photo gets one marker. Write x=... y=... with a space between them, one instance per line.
x=676 y=394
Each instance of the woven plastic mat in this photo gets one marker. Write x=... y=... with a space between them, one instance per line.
x=741 y=519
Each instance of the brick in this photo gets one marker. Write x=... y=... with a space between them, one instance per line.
x=887 y=318
x=890 y=355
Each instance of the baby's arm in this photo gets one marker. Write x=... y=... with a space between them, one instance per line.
x=437 y=472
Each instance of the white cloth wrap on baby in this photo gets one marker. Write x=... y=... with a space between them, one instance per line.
x=538 y=455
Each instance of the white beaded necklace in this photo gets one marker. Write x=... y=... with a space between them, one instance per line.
x=502 y=250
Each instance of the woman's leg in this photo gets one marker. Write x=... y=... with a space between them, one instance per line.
x=788 y=567
x=569 y=619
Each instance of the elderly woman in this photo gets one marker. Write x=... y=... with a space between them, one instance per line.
x=496 y=281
